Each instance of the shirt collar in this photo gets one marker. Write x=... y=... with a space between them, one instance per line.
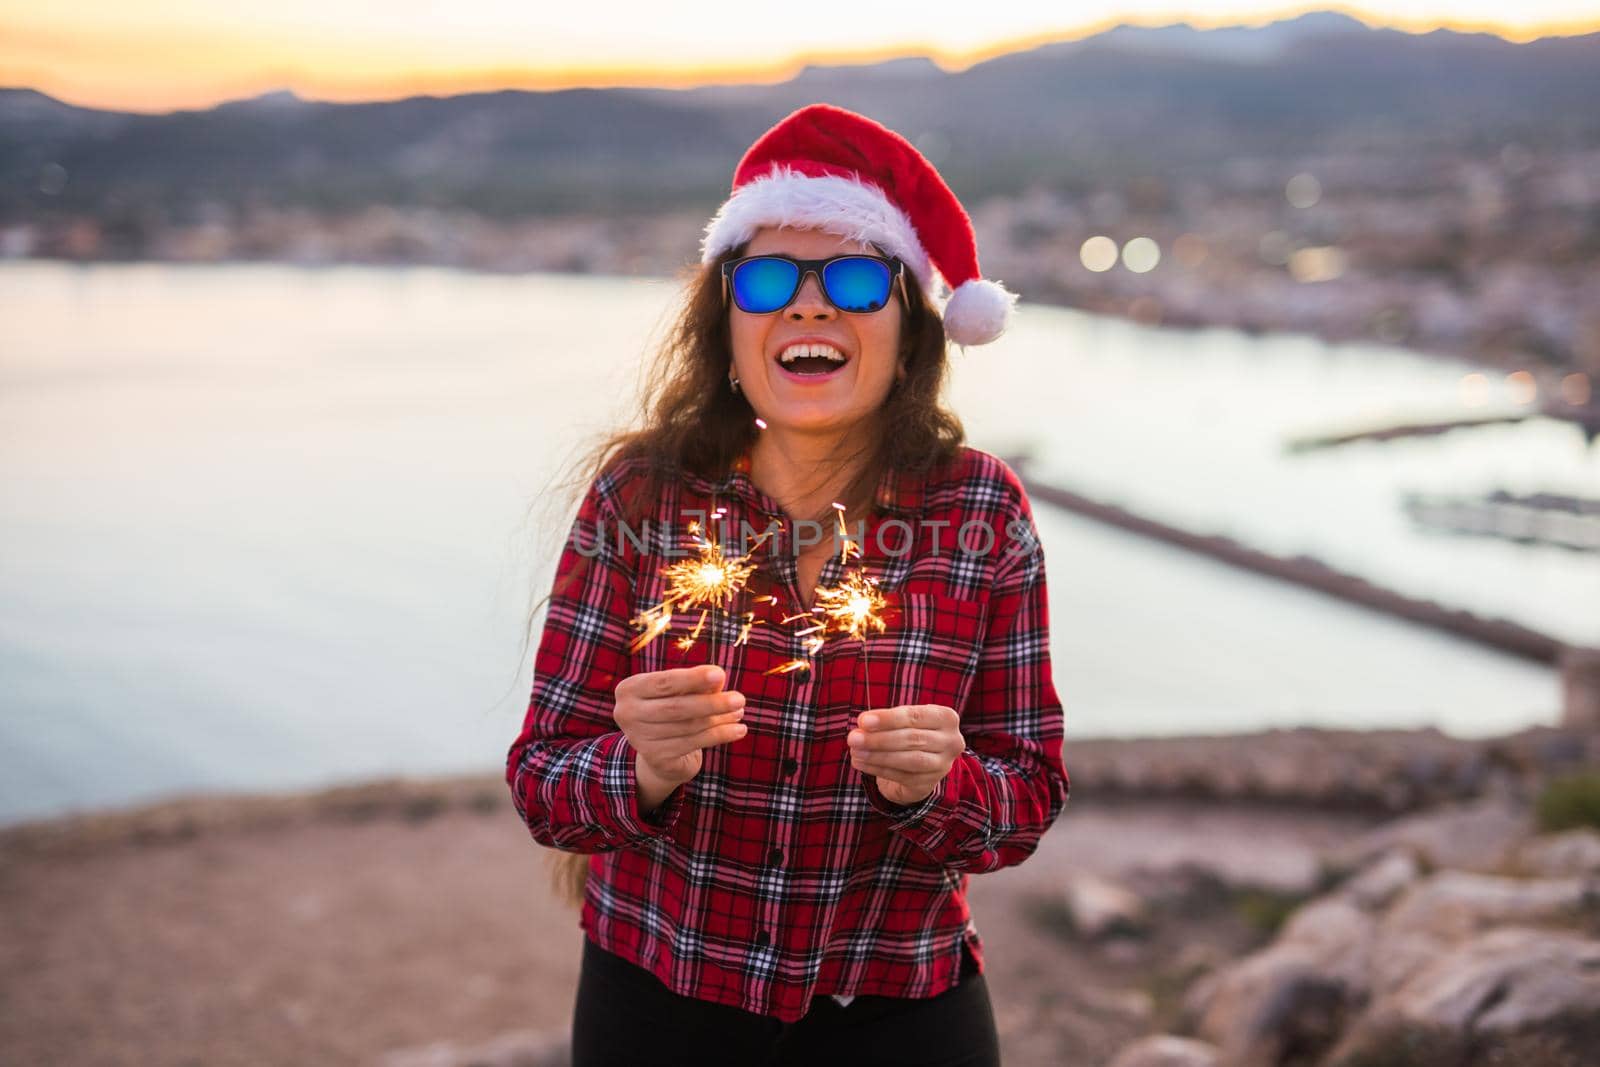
x=899 y=492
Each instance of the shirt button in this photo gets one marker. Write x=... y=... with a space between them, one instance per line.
x=763 y=939
x=775 y=857
x=790 y=766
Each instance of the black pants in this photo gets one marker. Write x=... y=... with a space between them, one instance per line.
x=626 y=1017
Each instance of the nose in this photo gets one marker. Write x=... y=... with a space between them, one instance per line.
x=809 y=301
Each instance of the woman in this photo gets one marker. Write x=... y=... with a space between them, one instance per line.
x=775 y=837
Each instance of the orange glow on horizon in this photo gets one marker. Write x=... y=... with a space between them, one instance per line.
x=199 y=69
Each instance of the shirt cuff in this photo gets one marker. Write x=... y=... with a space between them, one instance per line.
x=903 y=816
x=622 y=788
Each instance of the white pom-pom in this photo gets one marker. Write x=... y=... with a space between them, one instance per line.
x=977 y=312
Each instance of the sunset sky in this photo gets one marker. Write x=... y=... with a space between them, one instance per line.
x=157 y=55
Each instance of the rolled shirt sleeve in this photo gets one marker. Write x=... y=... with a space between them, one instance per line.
x=1010 y=784
x=571 y=770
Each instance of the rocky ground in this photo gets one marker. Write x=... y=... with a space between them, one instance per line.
x=1171 y=917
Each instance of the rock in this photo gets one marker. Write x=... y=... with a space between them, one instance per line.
x=1574 y=853
x=1507 y=979
x=1382 y=880
x=1387 y=770
x=1506 y=985
x=1480 y=836
x=1186 y=888
x=1195 y=959
x=1337 y=935
x=1164 y=1050
x=1269 y=1002
x=1452 y=906
x=1100 y=907
x=1296 y=991
x=1339 y=953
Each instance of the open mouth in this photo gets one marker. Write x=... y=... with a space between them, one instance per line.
x=811 y=360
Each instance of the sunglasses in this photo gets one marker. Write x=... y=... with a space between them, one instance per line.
x=856 y=283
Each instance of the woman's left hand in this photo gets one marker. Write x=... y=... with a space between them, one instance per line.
x=909 y=749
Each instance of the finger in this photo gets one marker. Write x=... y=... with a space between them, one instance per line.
x=666 y=731
x=717 y=735
x=919 y=716
x=901 y=763
x=705 y=678
x=691 y=706
x=895 y=740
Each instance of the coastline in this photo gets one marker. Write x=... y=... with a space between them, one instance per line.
x=410 y=922
x=1356 y=771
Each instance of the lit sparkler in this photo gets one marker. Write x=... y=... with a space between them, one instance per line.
x=708 y=580
x=853 y=607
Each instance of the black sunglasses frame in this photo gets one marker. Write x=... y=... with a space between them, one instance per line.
x=896 y=266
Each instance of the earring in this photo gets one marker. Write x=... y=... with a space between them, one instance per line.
x=733 y=383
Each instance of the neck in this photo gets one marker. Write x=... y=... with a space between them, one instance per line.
x=805 y=473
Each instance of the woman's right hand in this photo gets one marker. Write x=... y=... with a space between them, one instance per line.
x=669 y=716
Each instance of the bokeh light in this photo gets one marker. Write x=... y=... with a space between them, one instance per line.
x=1318 y=264
x=1141 y=255
x=1575 y=389
x=1099 y=253
x=1303 y=190
x=1522 y=387
x=1190 y=249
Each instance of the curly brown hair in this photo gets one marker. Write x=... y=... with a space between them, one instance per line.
x=695 y=422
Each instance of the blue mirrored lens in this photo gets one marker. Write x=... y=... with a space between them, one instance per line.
x=764 y=285
x=857 y=283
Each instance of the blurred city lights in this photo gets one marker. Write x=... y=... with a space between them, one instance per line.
x=1575 y=389
x=1522 y=387
x=1099 y=253
x=1303 y=190
x=1318 y=264
x=1190 y=249
x=1141 y=255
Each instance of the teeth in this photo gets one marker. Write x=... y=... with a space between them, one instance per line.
x=818 y=351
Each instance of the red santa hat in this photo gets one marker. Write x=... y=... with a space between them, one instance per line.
x=829 y=169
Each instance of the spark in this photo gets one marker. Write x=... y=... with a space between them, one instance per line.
x=708 y=580
x=655 y=622
x=686 y=642
x=847 y=544
x=852 y=607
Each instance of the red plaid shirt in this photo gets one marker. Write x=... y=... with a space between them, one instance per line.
x=780 y=872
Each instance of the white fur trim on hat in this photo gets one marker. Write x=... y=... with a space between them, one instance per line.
x=845 y=206
x=978 y=312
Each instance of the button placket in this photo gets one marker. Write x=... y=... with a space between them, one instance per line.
x=798 y=710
